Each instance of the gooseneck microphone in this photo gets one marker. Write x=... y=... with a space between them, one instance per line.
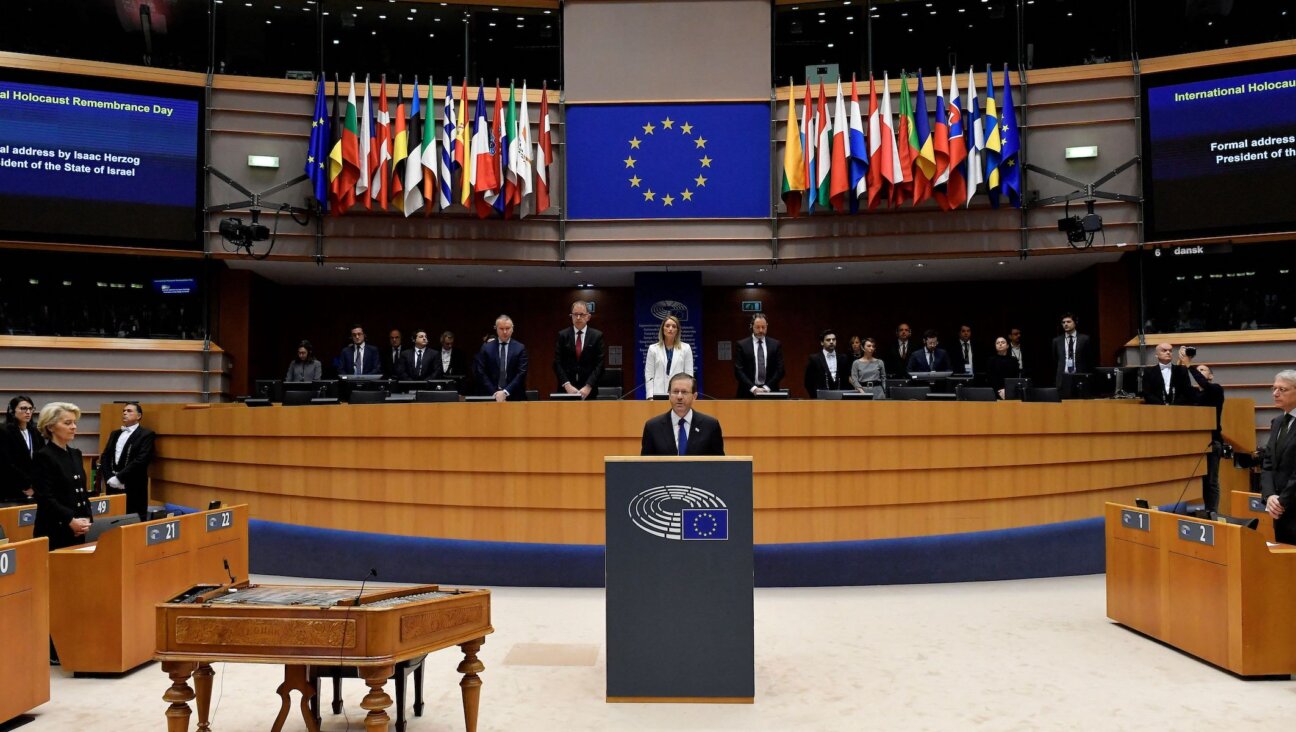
x=230 y=574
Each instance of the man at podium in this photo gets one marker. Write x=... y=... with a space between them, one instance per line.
x=682 y=431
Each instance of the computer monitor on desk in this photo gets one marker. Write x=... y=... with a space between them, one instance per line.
x=929 y=375
x=766 y=395
x=271 y=389
x=562 y=396
x=1114 y=381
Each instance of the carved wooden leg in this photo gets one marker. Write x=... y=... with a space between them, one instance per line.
x=295 y=679
x=177 y=715
x=376 y=701
x=203 y=686
x=471 y=683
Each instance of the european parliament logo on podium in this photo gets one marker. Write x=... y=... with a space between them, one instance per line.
x=679 y=573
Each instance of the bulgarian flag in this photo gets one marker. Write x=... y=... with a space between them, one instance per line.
x=348 y=155
x=823 y=152
x=363 y=152
x=544 y=153
x=839 y=186
x=794 y=180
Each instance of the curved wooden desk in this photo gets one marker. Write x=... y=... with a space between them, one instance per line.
x=533 y=472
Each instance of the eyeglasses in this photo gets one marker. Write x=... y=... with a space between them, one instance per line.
x=24 y=409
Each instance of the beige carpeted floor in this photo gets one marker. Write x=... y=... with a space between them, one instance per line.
x=1024 y=655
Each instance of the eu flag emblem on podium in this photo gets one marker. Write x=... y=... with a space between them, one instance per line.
x=704 y=524
x=668 y=161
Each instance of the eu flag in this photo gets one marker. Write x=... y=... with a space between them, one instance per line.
x=317 y=155
x=668 y=161
x=705 y=524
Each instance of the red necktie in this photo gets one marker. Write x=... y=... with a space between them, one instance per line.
x=579 y=344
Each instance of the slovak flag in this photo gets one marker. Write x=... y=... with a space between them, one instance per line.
x=955 y=192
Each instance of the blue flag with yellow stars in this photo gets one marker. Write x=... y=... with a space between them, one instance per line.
x=668 y=161
x=317 y=154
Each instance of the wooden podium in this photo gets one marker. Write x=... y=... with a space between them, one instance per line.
x=1215 y=590
x=24 y=614
x=1243 y=504
x=102 y=595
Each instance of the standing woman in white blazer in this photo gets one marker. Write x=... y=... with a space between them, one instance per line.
x=667 y=357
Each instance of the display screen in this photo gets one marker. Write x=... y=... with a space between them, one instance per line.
x=1219 y=151
x=94 y=160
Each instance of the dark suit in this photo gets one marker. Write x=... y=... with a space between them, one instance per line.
x=458 y=364
x=897 y=365
x=486 y=370
x=133 y=469
x=60 y=483
x=705 y=437
x=999 y=368
x=745 y=366
x=16 y=461
x=956 y=358
x=582 y=371
x=390 y=362
x=1181 y=389
x=918 y=361
x=428 y=368
x=818 y=376
x=371 y=364
x=1278 y=478
x=1084 y=362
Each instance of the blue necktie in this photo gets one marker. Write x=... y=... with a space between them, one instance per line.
x=683 y=436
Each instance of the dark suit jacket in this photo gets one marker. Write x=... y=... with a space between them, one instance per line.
x=428 y=369
x=486 y=370
x=745 y=365
x=817 y=375
x=389 y=365
x=999 y=368
x=16 y=462
x=60 y=483
x=1084 y=362
x=585 y=370
x=1183 y=392
x=918 y=361
x=897 y=366
x=458 y=364
x=705 y=437
x=1278 y=478
x=133 y=469
x=372 y=363
x=978 y=357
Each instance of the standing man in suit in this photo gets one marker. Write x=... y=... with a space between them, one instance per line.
x=682 y=431
x=454 y=363
x=1165 y=382
x=126 y=457
x=963 y=358
x=418 y=363
x=931 y=357
x=826 y=369
x=359 y=358
x=896 y=356
x=758 y=361
x=391 y=355
x=1278 y=464
x=1071 y=351
x=501 y=365
x=578 y=357
x=1015 y=348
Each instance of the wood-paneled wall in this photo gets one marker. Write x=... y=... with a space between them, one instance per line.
x=533 y=472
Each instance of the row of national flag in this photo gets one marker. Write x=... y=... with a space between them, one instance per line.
x=370 y=155
x=833 y=160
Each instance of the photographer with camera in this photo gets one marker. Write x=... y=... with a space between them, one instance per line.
x=1208 y=394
